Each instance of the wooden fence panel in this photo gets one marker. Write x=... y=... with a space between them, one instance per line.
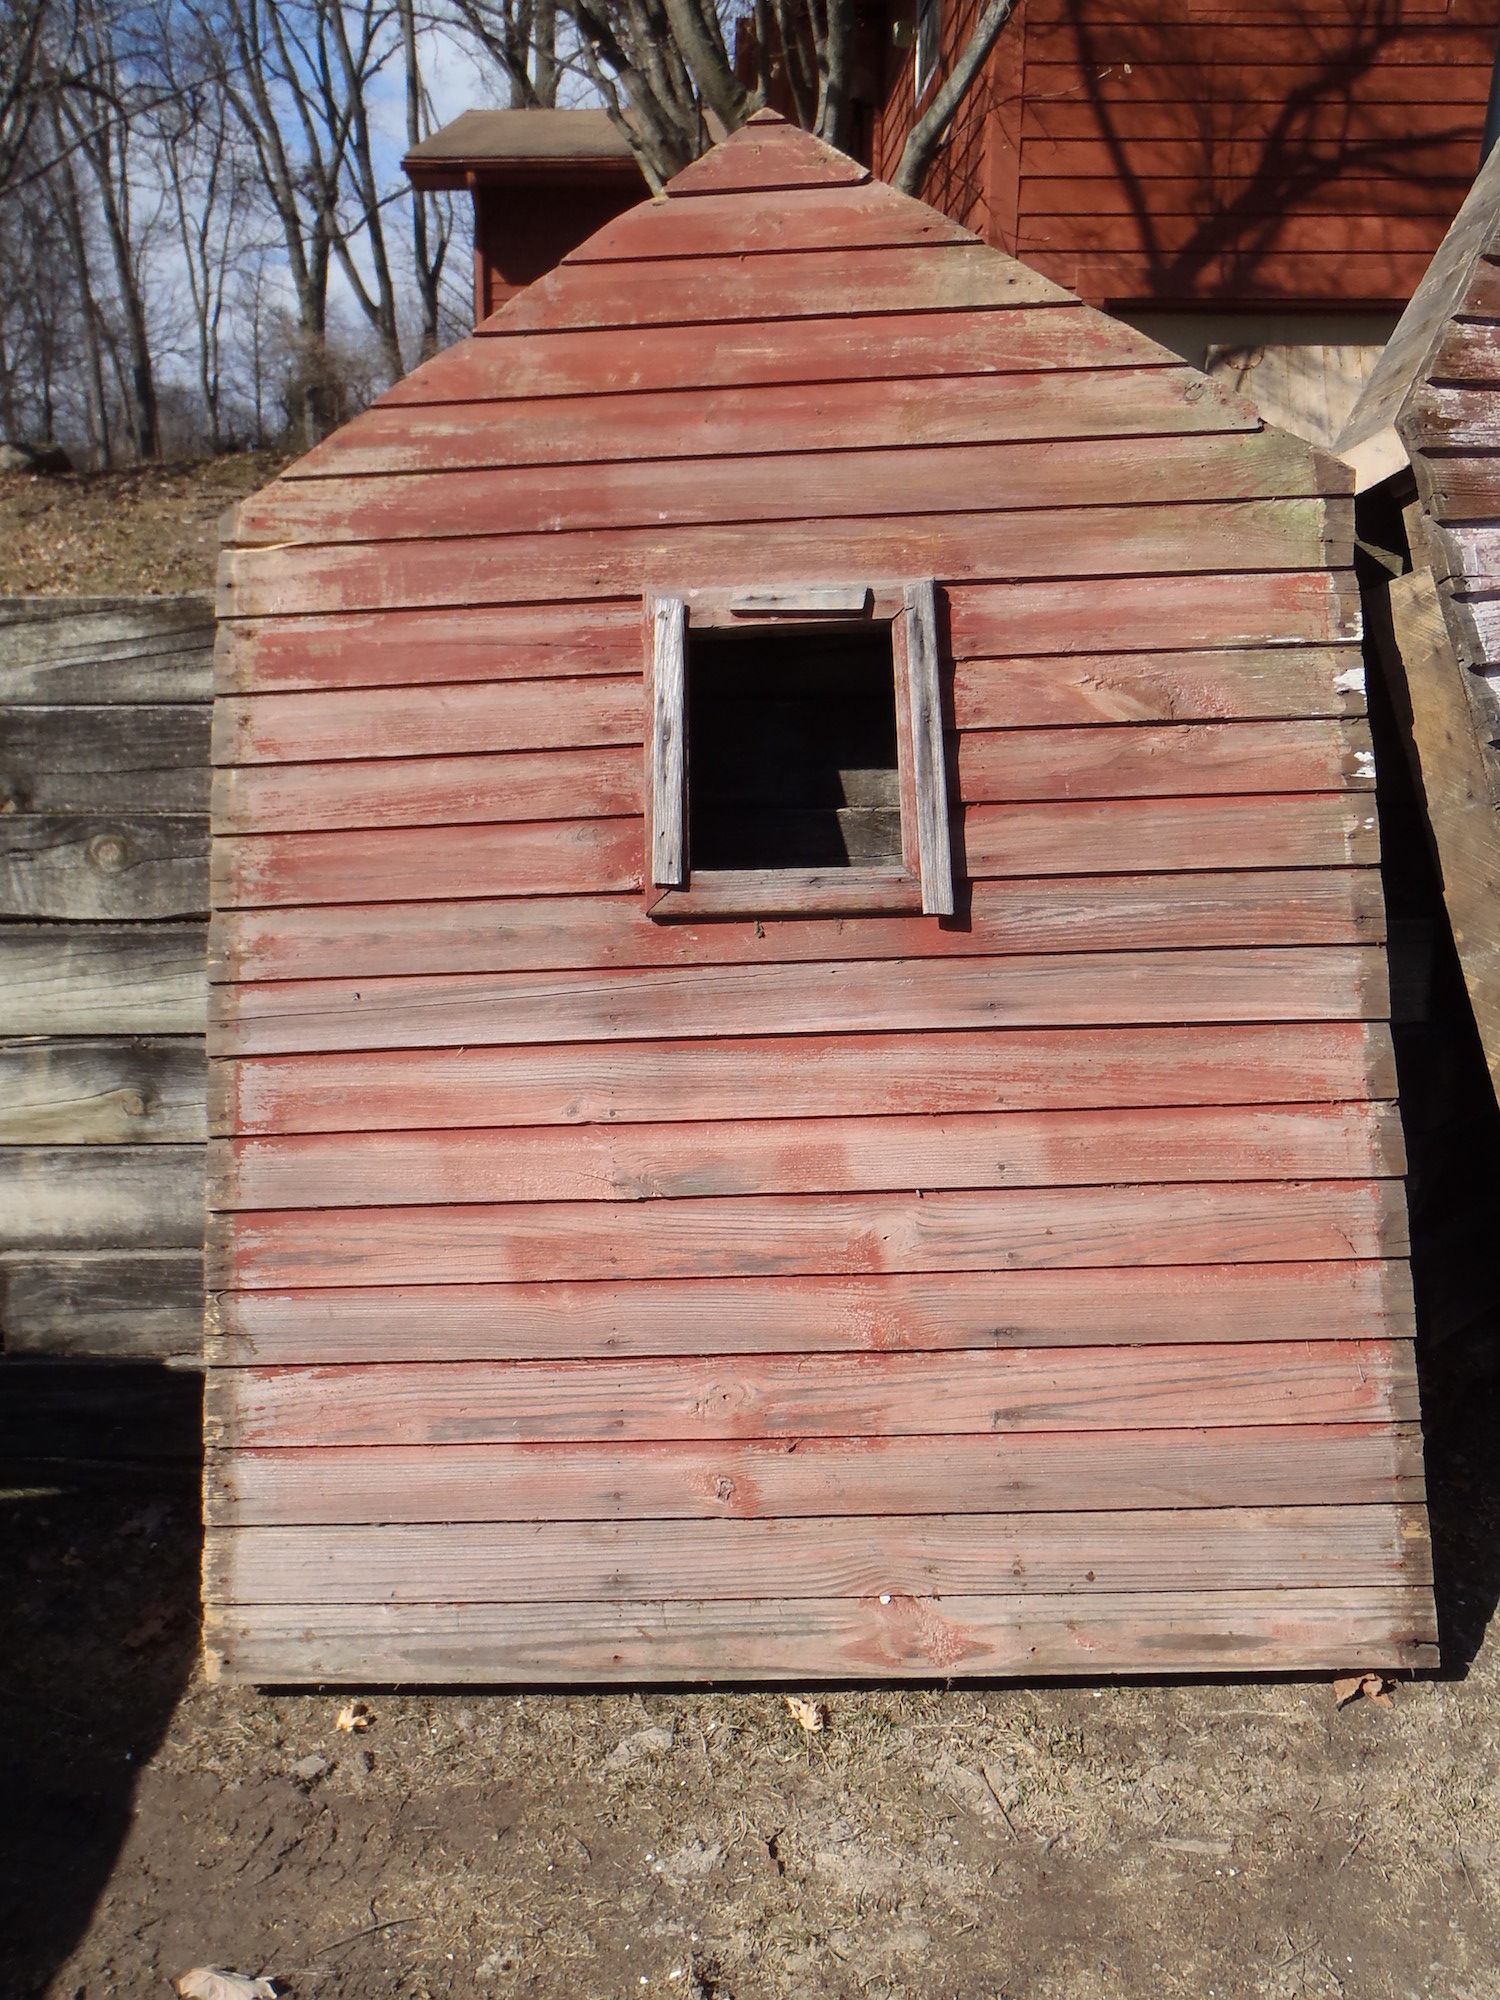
x=104 y=780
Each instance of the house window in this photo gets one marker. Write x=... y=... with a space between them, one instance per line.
x=796 y=755
x=929 y=39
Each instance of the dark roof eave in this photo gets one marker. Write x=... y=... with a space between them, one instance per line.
x=435 y=175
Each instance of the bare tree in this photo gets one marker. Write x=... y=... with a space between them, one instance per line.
x=201 y=156
x=927 y=134
x=429 y=245
x=666 y=73
x=22 y=23
x=94 y=121
x=520 y=38
x=255 y=54
x=70 y=215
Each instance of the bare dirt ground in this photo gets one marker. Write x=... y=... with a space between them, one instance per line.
x=1212 y=1840
x=146 y=530
x=1066 y=1843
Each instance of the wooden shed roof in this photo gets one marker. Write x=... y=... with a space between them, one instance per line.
x=505 y=144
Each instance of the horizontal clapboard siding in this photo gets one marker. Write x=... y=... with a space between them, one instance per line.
x=998 y=1257
x=802 y=1077
x=1081 y=989
x=945 y=1555
x=1044 y=1472
x=1167 y=154
x=779 y=1639
x=1015 y=1308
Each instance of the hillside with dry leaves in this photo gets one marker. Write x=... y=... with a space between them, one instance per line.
x=145 y=530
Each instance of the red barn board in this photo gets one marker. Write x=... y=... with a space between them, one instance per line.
x=803 y=1082
x=1258 y=154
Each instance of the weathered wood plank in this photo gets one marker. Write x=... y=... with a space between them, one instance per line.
x=124 y=867
x=101 y=1197
x=1077 y=913
x=123 y=758
x=427 y=791
x=110 y=1305
x=468 y=718
x=1116 y=389
x=1286 y=646
x=1081 y=989
x=1087 y=837
x=1084 y=1555
x=794 y=1156
x=1042 y=1471
x=668 y=745
x=1002 y=1308
x=1290 y=536
x=826 y=1395
x=1013 y=699
x=89 y=650
x=1438 y=418
x=109 y=980
x=442 y=489
x=924 y=1638
x=803 y=1077
x=409 y=649
x=867 y=217
x=788 y=1235
x=778 y=285
x=111 y=1093
x=929 y=763
x=1181 y=760
x=762 y=158
x=1459 y=794
x=577 y=856
x=550 y=858
x=1230 y=612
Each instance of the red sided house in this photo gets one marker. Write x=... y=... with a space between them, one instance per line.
x=801 y=1065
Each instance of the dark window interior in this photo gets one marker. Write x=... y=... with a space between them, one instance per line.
x=791 y=746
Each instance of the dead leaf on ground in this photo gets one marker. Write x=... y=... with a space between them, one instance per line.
x=207 y=1982
x=354 y=1718
x=1354 y=1687
x=811 y=1714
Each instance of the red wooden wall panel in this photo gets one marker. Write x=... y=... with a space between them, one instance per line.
x=577 y=1276
x=1185 y=152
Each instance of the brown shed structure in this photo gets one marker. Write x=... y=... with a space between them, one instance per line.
x=802 y=1079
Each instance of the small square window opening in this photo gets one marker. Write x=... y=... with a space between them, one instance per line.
x=791 y=749
x=795 y=761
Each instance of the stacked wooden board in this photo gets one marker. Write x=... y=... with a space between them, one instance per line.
x=600 y=1298
x=1424 y=441
x=104 y=728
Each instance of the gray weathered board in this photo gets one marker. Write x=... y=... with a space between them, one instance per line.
x=104 y=726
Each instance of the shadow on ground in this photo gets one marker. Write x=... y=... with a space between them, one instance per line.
x=1452 y=1128
x=99 y=1559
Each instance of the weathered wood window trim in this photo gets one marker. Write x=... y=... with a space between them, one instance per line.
x=924 y=880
